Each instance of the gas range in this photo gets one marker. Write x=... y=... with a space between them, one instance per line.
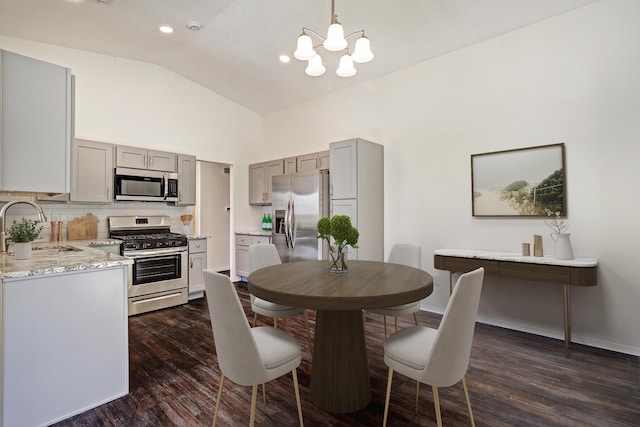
x=152 y=240
x=145 y=233
x=158 y=276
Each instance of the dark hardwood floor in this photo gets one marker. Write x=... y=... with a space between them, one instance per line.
x=514 y=379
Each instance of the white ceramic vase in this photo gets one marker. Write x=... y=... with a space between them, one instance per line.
x=563 y=245
x=22 y=250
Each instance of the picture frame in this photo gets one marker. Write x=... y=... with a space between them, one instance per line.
x=522 y=182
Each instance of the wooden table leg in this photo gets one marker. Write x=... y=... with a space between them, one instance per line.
x=567 y=321
x=340 y=380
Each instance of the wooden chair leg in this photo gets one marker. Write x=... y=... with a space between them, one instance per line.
x=264 y=396
x=364 y=316
x=384 y=319
x=254 y=397
x=255 y=319
x=297 y=390
x=415 y=318
x=436 y=403
x=275 y=323
x=396 y=320
x=306 y=320
x=386 y=400
x=466 y=394
x=215 y=412
x=417 y=391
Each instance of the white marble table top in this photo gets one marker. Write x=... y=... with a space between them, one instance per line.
x=516 y=257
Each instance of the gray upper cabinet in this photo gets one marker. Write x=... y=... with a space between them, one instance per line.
x=260 y=175
x=290 y=166
x=141 y=158
x=92 y=172
x=308 y=162
x=344 y=169
x=323 y=159
x=186 y=180
x=36 y=125
x=313 y=161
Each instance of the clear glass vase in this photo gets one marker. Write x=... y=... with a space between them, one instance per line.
x=337 y=260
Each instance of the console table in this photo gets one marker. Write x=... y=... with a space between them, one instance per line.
x=575 y=272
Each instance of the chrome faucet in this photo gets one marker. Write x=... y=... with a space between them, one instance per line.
x=4 y=245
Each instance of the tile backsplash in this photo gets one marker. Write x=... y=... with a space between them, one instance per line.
x=66 y=212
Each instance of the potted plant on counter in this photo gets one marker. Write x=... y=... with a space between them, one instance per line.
x=22 y=234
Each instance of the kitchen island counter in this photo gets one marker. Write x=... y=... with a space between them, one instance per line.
x=48 y=258
x=63 y=332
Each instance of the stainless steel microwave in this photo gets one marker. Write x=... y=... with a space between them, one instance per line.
x=145 y=185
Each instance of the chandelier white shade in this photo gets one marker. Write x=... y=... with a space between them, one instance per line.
x=346 y=68
x=315 y=67
x=305 y=51
x=334 y=42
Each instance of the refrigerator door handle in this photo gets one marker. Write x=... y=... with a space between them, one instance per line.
x=293 y=227
x=287 y=236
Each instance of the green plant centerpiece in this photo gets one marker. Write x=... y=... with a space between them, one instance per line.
x=27 y=230
x=339 y=227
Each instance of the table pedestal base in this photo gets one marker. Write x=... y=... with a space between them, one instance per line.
x=340 y=380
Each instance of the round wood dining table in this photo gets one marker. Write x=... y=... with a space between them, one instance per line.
x=340 y=381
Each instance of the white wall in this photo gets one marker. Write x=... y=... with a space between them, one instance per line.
x=136 y=103
x=571 y=79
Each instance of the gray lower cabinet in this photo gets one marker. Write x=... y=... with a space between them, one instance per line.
x=243 y=241
x=186 y=180
x=197 y=263
x=36 y=117
x=92 y=172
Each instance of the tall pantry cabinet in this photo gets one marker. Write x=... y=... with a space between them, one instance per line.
x=357 y=190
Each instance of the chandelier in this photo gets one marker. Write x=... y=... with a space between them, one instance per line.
x=335 y=42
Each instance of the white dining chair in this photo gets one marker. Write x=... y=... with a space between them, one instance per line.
x=438 y=357
x=261 y=256
x=247 y=356
x=410 y=255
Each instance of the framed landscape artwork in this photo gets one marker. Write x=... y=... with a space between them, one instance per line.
x=519 y=182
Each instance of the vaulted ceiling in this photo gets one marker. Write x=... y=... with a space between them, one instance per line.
x=235 y=51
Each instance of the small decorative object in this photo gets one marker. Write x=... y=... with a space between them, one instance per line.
x=526 y=249
x=22 y=234
x=339 y=227
x=537 y=245
x=186 y=220
x=561 y=239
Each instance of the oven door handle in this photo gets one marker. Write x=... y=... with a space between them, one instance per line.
x=144 y=254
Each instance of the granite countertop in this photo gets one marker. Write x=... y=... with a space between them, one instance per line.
x=254 y=232
x=53 y=258
x=196 y=236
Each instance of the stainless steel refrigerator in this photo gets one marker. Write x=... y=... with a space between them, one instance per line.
x=298 y=201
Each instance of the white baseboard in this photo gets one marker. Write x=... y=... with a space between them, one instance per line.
x=549 y=333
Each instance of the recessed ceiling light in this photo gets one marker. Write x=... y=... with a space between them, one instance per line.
x=166 y=29
x=285 y=58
